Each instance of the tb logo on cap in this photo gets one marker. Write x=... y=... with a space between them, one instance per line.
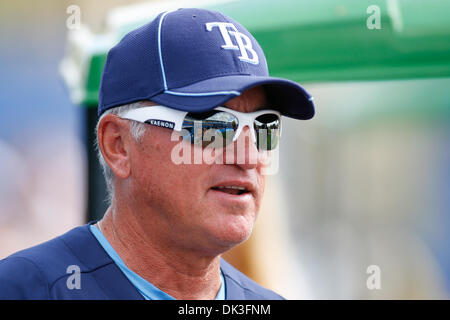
x=244 y=44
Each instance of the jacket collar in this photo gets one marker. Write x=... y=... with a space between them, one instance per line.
x=89 y=251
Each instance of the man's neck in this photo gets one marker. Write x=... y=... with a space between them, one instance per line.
x=181 y=273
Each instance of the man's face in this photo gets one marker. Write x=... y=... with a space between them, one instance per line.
x=182 y=203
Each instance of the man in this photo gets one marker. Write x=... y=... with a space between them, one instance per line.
x=171 y=217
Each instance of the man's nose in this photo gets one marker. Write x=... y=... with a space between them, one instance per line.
x=243 y=152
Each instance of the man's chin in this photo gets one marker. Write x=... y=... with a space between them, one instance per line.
x=233 y=233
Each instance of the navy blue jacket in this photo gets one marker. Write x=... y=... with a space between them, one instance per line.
x=40 y=272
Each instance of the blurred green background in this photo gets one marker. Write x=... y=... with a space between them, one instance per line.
x=365 y=182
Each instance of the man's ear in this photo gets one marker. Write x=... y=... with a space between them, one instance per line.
x=112 y=135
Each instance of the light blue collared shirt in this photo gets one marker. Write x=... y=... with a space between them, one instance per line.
x=148 y=290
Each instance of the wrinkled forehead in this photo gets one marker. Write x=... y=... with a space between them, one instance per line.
x=250 y=100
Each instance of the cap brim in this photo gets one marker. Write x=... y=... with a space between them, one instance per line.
x=286 y=96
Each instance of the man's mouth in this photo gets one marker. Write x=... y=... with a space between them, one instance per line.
x=235 y=190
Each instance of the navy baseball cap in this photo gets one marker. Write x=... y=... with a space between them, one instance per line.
x=194 y=60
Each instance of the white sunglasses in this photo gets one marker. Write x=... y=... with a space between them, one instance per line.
x=266 y=124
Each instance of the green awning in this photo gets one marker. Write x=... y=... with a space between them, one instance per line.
x=304 y=40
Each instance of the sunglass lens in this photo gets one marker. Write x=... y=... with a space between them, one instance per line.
x=267 y=128
x=212 y=126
